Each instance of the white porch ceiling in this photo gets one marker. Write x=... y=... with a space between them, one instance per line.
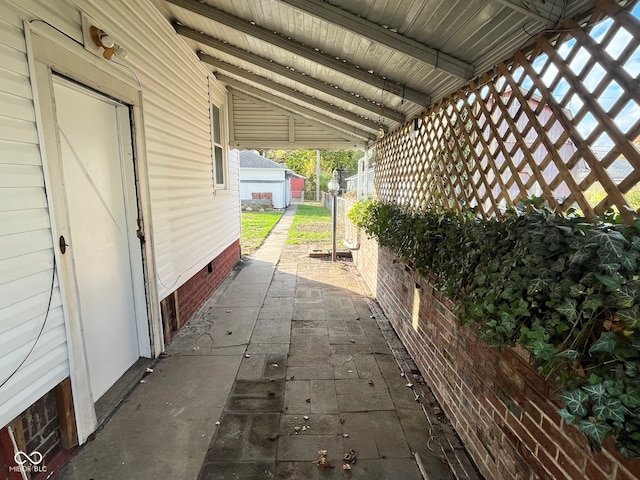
x=357 y=65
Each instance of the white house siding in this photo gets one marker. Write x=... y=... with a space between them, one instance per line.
x=30 y=299
x=191 y=223
x=263 y=180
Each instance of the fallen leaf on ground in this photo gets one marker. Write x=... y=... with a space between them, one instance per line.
x=322 y=460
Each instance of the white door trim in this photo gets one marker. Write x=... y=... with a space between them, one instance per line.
x=49 y=52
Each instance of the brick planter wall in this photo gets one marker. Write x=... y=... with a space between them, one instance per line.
x=197 y=290
x=502 y=409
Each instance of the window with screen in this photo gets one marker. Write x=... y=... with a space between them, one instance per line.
x=219 y=164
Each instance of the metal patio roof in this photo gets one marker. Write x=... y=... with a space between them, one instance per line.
x=350 y=68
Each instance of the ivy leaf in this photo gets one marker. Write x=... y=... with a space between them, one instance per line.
x=613 y=282
x=574 y=401
x=507 y=294
x=520 y=307
x=629 y=260
x=569 y=354
x=555 y=292
x=616 y=388
x=593 y=379
x=611 y=242
x=576 y=291
x=631 y=369
x=596 y=392
x=569 y=418
x=606 y=343
x=630 y=398
x=628 y=451
x=537 y=285
x=593 y=302
x=542 y=350
x=476 y=310
x=611 y=409
x=630 y=317
x=568 y=308
x=596 y=432
x=582 y=256
x=558 y=266
x=610 y=268
x=625 y=297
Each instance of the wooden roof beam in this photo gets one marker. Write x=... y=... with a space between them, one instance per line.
x=379 y=34
x=321 y=58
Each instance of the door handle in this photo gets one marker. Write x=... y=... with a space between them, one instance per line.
x=63 y=244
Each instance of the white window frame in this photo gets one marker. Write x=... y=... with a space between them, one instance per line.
x=219 y=162
x=219 y=156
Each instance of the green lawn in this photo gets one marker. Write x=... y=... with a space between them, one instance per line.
x=255 y=228
x=311 y=224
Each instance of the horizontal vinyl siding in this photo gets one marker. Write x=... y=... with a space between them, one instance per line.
x=26 y=248
x=191 y=224
x=261 y=174
x=253 y=122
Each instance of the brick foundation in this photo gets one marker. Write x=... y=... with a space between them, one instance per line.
x=35 y=430
x=197 y=290
x=502 y=409
x=40 y=426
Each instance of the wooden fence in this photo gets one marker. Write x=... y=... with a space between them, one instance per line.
x=560 y=121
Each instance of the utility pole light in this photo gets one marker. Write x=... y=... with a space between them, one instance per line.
x=333 y=188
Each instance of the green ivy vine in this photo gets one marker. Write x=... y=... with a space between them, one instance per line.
x=566 y=289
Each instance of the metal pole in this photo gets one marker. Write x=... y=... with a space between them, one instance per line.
x=317 y=175
x=334 y=216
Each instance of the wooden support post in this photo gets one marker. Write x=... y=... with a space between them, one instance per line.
x=66 y=415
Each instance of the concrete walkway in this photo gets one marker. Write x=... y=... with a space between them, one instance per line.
x=283 y=361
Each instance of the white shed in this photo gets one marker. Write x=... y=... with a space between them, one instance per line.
x=264 y=181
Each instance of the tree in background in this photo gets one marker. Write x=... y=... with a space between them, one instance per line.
x=303 y=162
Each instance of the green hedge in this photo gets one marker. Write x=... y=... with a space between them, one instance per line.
x=566 y=289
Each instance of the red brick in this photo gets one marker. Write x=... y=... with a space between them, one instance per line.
x=624 y=474
x=549 y=465
x=540 y=436
x=572 y=470
x=193 y=293
x=603 y=461
x=592 y=472
x=533 y=462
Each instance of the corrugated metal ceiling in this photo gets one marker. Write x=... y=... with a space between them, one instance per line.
x=394 y=57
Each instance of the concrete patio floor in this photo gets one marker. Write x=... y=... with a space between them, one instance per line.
x=284 y=360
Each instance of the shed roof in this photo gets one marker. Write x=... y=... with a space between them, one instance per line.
x=252 y=159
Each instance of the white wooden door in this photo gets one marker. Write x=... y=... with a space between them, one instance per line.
x=97 y=167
